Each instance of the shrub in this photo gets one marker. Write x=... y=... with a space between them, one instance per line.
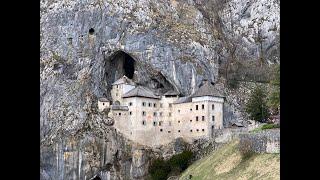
x=269 y=126
x=160 y=169
x=233 y=83
x=180 y=161
x=256 y=106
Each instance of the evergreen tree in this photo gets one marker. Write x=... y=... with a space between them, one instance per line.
x=256 y=106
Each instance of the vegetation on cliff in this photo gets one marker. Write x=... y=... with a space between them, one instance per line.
x=161 y=169
x=230 y=163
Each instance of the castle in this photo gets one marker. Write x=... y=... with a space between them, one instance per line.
x=150 y=119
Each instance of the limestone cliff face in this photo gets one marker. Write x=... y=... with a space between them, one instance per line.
x=175 y=45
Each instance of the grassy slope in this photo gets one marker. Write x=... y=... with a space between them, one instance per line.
x=227 y=163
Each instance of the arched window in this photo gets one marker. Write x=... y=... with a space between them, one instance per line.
x=117 y=103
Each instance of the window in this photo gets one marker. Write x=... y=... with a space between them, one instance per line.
x=154 y=105
x=169 y=113
x=160 y=123
x=178 y=121
x=143 y=122
x=196 y=107
x=119 y=114
x=202 y=130
x=169 y=131
x=190 y=130
x=149 y=104
x=130 y=113
x=155 y=114
x=197 y=130
x=212 y=127
x=178 y=130
x=169 y=123
x=116 y=94
x=179 y=111
x=197 y=118
x=212 y=106
x=160 y=114
x=170 y=105
x=143 y=103
x=161 y=105
x=190 y=120
x=143 y=113
x=130 y=103
x=102 y=103
x=212 y=118
x=117 y=86
x=202 y=106
x=161 y=130
x=202 y=118
x=190 y=109
x=154 y=123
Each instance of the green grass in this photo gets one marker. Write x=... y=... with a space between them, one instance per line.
x=228 y=163
x=264 y=127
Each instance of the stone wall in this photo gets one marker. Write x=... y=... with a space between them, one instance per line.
x=264 y=142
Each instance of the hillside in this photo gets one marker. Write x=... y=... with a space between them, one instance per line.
x=227 y=163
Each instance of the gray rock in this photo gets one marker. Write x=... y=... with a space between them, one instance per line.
x=175 y=45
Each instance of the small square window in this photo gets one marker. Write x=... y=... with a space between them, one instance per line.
x=190 y=130
x=102 y=103
x=160 y=114
x=161 y=130
x=143 y=104
x=155 y=114
x=130 y=113
x=130 y=103
x=119 y=114
x=190 y=109
x=143 y=122
x=169 y=131
x=190 y=120
x=178 y=121
x=178 y=130
x=202 y=118
x=149 y=104
x=154 y=123
x=202 y=106
x=143 y=113
x=197 y=130
x=179 y=111
x=197 y=118
x=154 y=105
x=212 y=106
x=202 y=130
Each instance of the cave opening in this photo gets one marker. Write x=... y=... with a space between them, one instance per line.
x=91 y=31
x=96 y=178
x=118 y=65
x=128 y=66
x=121 y=63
